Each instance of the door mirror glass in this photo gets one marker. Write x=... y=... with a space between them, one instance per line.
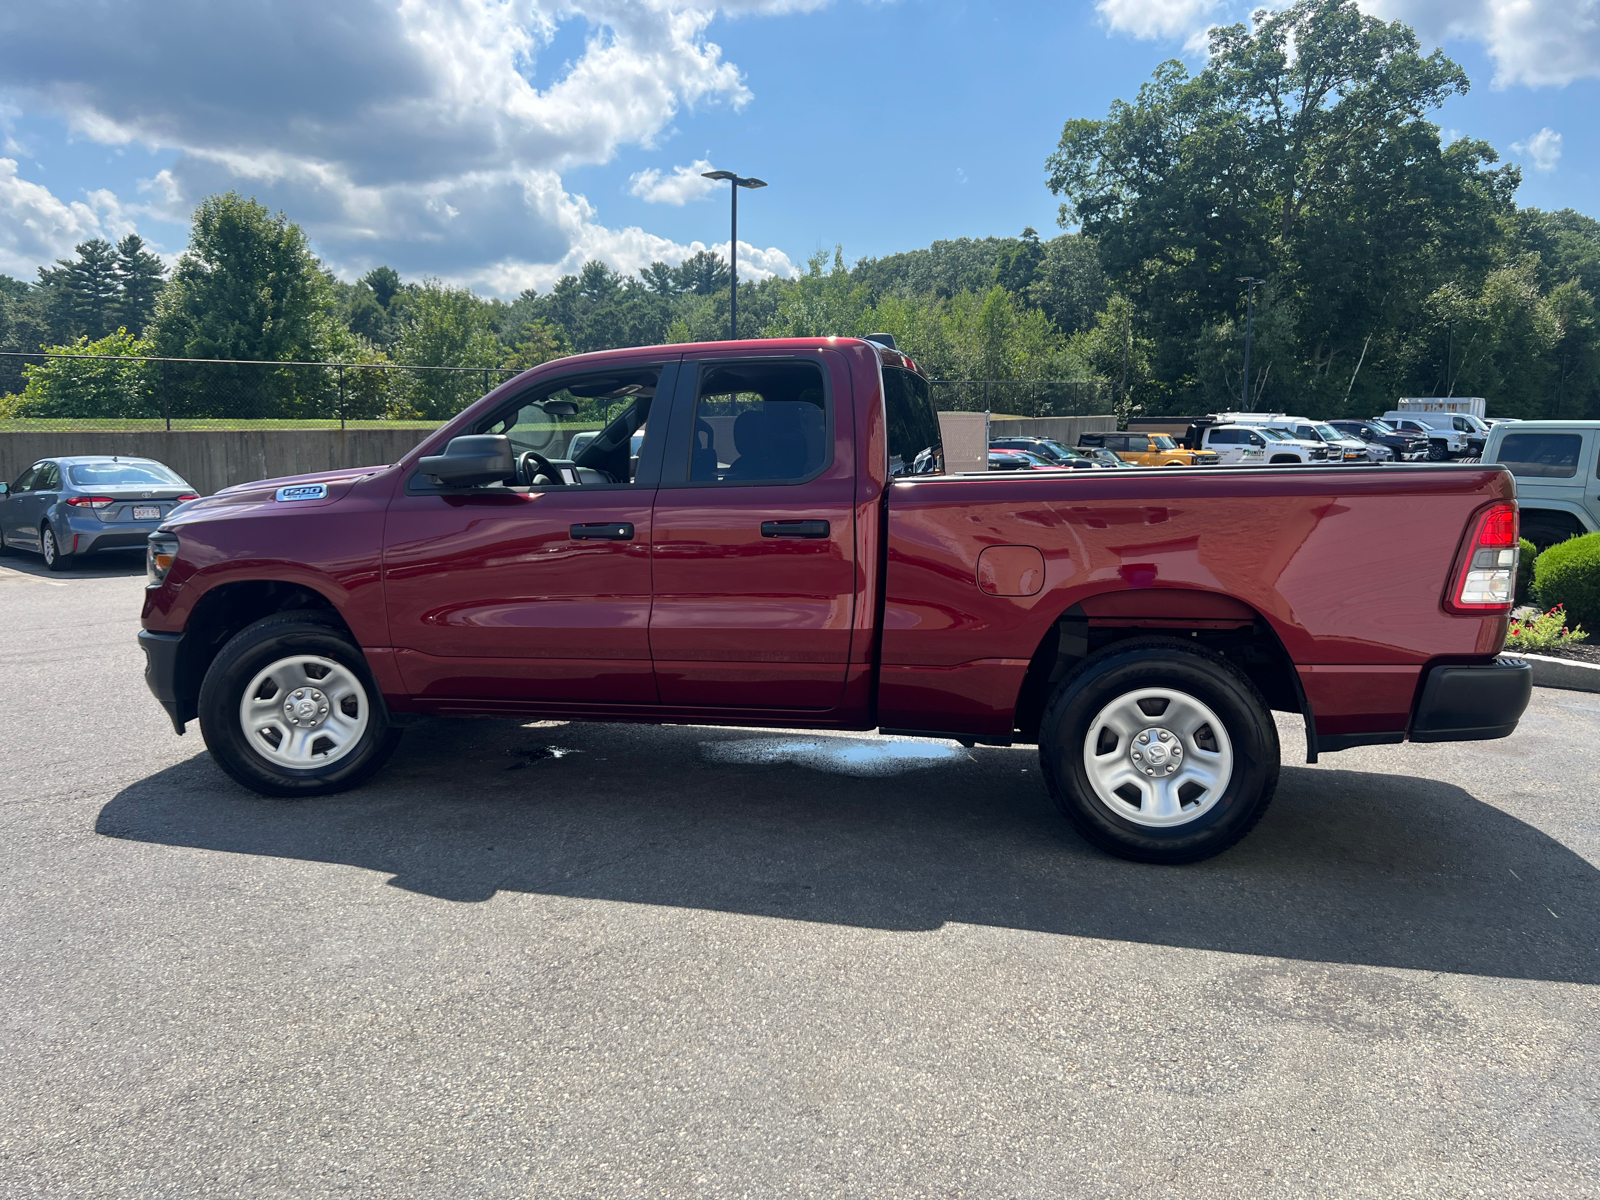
x=473 y=460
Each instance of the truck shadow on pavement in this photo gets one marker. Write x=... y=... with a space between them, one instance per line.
x=1347 y=866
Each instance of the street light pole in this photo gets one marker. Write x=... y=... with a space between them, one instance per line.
x=733 y=243
x=1249 y=323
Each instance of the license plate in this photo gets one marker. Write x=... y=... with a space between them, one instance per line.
x=146 y=512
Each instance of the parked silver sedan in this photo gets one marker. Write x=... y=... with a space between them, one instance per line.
x=68 y=508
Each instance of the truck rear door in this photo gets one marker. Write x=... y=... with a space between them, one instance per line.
x=753 y=556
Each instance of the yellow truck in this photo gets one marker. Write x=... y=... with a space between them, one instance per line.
x=1150 y=449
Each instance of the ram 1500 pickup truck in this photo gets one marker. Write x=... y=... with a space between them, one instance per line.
x=761 y=533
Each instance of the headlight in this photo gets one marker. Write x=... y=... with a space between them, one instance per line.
x=160 y=554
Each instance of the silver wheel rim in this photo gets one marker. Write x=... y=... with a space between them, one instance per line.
x=304 y=711
x=1158 y=757
x=48 y=540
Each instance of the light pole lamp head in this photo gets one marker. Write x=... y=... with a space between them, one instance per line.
x=719 y=176
x=750 y=183
x=1251 y=280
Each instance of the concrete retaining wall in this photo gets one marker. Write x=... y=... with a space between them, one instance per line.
x=965 y=448
x=1063 y=429
x=212 y=459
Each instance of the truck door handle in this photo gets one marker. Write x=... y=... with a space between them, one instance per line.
x=616 y=531
x=794 y=529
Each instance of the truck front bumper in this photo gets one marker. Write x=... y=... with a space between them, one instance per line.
x=161 y=672
x=1470 y=703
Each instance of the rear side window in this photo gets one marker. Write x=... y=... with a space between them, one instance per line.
x=1541 y=455
x=915 y=444
x=759 y=422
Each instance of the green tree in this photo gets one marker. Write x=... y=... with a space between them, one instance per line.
x=1301 y=154
x=1018 y=262
x=703 y=273
x=447 y=327
x=541 y=342
x=84 y=289
x=140 y=277
x=1068 y=284
x=1114 y=350
x=248 y=287
x=93 y=386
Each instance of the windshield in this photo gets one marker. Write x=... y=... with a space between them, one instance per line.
x=1328 y=433
x=1477 y=423
x=1380 y=426
x=1163 y=442
x=1065 y=453
x=120 y=474
x=1272 y=434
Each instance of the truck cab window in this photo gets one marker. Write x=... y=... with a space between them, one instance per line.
x=915 y=445
x=759 y=422
x=590 y=429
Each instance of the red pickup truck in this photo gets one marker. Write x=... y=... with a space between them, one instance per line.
x=761 y=533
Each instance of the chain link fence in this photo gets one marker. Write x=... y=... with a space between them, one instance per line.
x=74 y=391
x=1026 y=397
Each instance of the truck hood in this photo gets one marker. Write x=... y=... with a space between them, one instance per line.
x=316 y=490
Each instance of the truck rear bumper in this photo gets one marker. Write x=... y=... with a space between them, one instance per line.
x=1472 y=702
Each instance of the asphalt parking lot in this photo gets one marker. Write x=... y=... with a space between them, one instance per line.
x=610 y=961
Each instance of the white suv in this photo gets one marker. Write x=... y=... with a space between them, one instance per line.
x=1236 y=445
x=1283 y=449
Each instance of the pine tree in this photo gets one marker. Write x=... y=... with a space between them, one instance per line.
x=140 y=277
x=92 y=288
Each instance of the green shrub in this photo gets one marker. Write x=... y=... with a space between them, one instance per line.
x=1568 y=574
x=1528 y=552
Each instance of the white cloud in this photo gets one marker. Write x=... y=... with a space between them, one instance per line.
x=37 y=227
x=1544 y=148
x=1157 y=18
x=1533 y=42
x=684 y=184
x=423 y=133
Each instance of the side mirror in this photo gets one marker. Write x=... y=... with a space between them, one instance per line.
x=472 y=460
x=5 y=490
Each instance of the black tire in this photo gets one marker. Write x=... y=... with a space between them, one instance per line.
x=237 y=664
x=1165 y=663
x=50 y=550
x=1437 y=452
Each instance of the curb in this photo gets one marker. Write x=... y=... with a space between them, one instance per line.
x=1563 y=673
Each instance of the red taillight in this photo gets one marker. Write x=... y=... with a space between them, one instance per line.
x=1485 y=581
x=188 y=496
x=89 y=501
x=1498 y=527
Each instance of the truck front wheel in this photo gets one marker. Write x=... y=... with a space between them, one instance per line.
x=289 y=708
x=1159 y=752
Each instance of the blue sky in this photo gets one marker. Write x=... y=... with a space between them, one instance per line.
x=498 y=144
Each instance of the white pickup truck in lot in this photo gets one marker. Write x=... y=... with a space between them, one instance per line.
x=1557 y=465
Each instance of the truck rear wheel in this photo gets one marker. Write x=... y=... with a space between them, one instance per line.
x=289 y=708
x=1159 y=752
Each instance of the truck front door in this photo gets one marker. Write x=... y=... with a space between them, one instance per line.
x=536 y=591
x=754 y=561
